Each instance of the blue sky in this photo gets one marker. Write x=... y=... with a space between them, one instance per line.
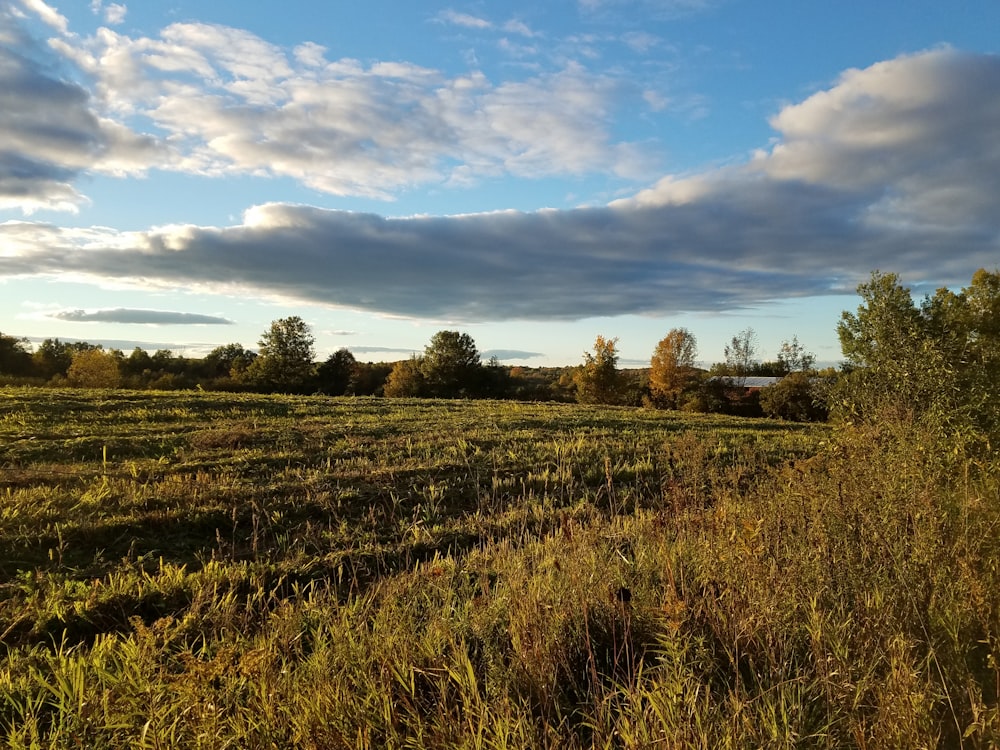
x=178 y=174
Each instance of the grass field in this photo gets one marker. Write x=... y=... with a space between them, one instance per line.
x=218 y=570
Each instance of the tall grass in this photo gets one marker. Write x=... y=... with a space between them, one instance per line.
x=259 y=572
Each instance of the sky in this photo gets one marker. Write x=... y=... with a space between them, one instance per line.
x=177 y=175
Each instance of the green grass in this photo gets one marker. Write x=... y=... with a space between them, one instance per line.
x=218 y=570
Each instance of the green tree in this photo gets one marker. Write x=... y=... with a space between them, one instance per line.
x=796 y=397
x=598 y=380
x=370 y=378
x=15 y=356
x=94 y=368
x=406 y=379
x=54 y=357
x=337 y=373
x=672 y=368
x=933 y=368
x=451 y=365
x=741 y=355
x=285 y=362
x=794 y=358
x=229 y=360
x=137 y=363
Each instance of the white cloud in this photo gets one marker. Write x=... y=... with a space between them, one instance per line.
x=464 y=19
x=223 y=101
x=114 y=13
x=47 y=14
x=893 y=167
x=664 y=8
x=640 y=41
x=515 y=26
x=310 y=54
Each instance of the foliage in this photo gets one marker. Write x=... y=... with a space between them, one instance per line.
x=451 y=365
x=598 y=380
x=741 y=354
x=336 y=375
x=229 y=360
x=406 y=380
x=673 y=372
x=932 y=368
x=794 y=358
x=94 y=368
x=54 y=357
x=285 y=361
x=796 y=397
x=369 y=378
x=15 y=355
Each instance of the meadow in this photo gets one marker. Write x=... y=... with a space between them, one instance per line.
x=211 y=570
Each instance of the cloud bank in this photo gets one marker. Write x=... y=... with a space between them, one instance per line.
x=895 y=166
x=139 y=316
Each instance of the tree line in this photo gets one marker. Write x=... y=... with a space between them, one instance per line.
x=940 y=358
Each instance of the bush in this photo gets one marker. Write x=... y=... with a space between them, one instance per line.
x=795 y=397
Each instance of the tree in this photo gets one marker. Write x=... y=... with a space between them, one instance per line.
x=741 y=354
x=15 y=356
x=229 y=360
x=794 y=358
x=933 y=368
x=406 y=379
x=94 y=368
x=672 y=369
x=336 y=374
x=597 y=380
x=895 y=369
x=137 y=362
x=285 y=362
x=451 y=365
x=370 y=378
x=54 y=357
x=886 y=324
x=796 y=397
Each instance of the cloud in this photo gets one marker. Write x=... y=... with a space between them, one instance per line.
x=464 y=19
x=895 y=167
x=223 y=101
x=142 y=317
x=505 y=355
x=51 y=131
x=515 y=26
x=657 y=8
x=114 y=13
x=47 y=14
x=640 y=41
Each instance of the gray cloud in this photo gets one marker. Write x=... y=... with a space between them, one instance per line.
x=507 y=354
x=894 y=167
x=142 y=317
x=51 y=131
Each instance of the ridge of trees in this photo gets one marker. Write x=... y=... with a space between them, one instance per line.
x=936 y=364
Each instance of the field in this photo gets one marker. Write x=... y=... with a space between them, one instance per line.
x=216 y=570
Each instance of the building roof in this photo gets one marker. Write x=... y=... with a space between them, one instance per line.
x=747 y=382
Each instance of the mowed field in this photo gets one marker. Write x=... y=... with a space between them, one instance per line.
x=218 y=570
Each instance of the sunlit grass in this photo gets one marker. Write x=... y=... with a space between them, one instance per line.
x=219 y=570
